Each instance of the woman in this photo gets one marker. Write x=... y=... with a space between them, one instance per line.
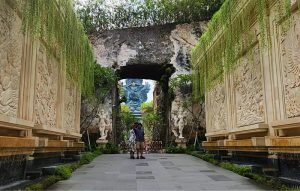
x=131 y=141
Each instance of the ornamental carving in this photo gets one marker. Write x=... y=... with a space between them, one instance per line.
x=10 y=60
x=291 y=68
x=70 y=106
x=248 y=89
x=46 y=89
x=217 y=110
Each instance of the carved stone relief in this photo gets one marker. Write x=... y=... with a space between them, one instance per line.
x=217 y=112
x=249 y=90
x=179 y=117
x=70 y=106
x=11 y=41
x=46 y=89
x=290 y=53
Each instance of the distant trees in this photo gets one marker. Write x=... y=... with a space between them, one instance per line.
x=99 y=15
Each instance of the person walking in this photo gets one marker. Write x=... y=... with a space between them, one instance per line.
x=140 y=139
x=131 y=141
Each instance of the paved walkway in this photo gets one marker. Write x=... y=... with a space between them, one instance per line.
x=157 y=172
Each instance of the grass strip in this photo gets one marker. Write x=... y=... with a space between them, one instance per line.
x=272 y=182
x=63 y=172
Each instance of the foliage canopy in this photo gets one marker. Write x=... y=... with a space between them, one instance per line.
x=98 y=15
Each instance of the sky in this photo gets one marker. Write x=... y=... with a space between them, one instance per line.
x=150 y=93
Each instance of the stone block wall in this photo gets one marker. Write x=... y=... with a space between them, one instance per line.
x=257 y=106
x=39 y=105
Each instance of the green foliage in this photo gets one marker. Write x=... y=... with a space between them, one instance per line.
x=180 y=80
x=43 y=184
x=104 y=79
x=205 y=156
x=173 y=149
x=99 y=15
x=183 y=83
x=125 y=121
x=229 y=36
x=86 y=158
x=64 y=171
x=150 y=118
x=110 y=148
x=244 y=171
x=147 y=107
x=125 y=108
x=241 y=170
x=55 y=23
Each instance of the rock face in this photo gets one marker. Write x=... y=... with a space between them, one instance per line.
x=123 y=47
x=147 y=52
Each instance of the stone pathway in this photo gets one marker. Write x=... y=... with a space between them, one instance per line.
x=157 y=172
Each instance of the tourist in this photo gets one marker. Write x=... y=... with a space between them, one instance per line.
x=131 y=141
x=140 y=139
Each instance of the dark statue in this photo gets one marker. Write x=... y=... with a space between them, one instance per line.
x=136 y=94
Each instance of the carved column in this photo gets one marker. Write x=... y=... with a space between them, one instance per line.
x=27 y=79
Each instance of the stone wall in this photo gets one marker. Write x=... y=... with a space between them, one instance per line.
x=256 y=107
x=39 y=106
x=156 y=46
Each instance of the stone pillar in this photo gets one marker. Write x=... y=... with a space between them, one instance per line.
x=115 y=111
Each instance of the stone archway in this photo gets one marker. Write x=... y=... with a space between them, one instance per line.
x=157 y=53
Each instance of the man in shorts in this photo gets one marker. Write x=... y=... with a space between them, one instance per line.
x=140 y=139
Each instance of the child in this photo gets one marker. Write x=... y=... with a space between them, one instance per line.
x=131 y=141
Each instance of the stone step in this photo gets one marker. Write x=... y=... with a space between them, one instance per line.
x=226 y=158
x=270 y=171
x=49 y=170
x=290 y=181
x=33 y=174
x=67 y=160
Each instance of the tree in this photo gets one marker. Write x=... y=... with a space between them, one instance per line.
x=99 y=15
x=126 y=120
x=150 y=118
x=104 y=80
x=183 y=84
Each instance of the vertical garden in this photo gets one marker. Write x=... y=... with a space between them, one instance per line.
x=231 y=25
x=56 y=23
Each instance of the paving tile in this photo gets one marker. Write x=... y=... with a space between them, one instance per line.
x=142 y=164
x=207 y=171
x=143 y=172
x=219 y=178
x=157 y=172
x=145 y=177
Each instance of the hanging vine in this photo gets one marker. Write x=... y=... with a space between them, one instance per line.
x=228 y=35
x=55 y=23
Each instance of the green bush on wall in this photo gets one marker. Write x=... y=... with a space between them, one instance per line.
x=228 y=36
x=56 y=23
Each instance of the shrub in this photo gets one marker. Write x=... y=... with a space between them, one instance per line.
x=64 y=171
x=86 y=158
x=190 y=148
x=205 y=156
x=110 y=148
x=241 y=170
x=44 y=183
x=174 y=149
